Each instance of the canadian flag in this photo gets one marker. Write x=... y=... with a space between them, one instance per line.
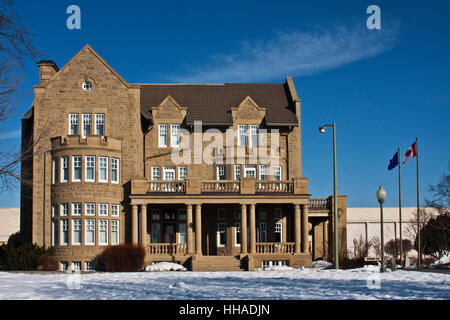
x=411 y=152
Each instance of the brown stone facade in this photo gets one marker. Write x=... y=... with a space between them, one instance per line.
x=119 y=162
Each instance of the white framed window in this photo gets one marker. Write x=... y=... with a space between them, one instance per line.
x=103 y=232
x=100 y=124
x=254 y=135
x=76 y=209
x=237 y=234
x=76 y=168
x=55 y=170
x=54 y=210
x=89 y=266
x=89 y=209
x=237 y=172
x=221 y=235
x=221 y=173
x=115 y=170
x=89 y=232
x=73 y=124
x=103 y=209
x=155 y=173
x=64 y=232
x=114 y=232
x=55 y=233
x=182 y=238
x=87 y=124
x=278 y=232
x=64 y=209
x=102 y=169
x=262 y=213
x=262 y=172
x=156 y=233
x=250 y=171
x=262 y=232
x=221 y=214
x=76 y=266
x=277 y=214
x=182 y=173
x=115 y=209
x=163 y=136
x=169 y=173
x=87 y=86
x=63 y=265
x=76 y=232
x=89 y=169
x=174 y=135
x=277 y=173
x=64 y=169
x=242 y=135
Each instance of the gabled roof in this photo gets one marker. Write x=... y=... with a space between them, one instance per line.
x=212 y=103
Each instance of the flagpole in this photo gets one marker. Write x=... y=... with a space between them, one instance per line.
x=419 y=251
x=400 y=206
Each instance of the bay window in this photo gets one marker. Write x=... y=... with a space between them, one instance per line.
x=102 y=169
x=90 y=169
x=76 y=168
x=64 y=232
x=64 y=169
x=103 y=232
x=114 y=232
x=114 y=170
x=76 y=232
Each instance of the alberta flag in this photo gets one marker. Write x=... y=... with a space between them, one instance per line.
x=411 y=152
x=393 y=162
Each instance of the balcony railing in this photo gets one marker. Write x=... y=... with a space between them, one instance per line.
x=221 y=186
x=275 y=186
x=318 y=203
x=167 y=186
x=275 y=247
x=167 y=248
x=197 y=186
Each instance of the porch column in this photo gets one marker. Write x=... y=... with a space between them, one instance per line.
x=143 y=229
x=305 y=228
x=297 y=227
x=243 y=228
x=134 y=224
x=252 y=229
x=325 y=240
x=198 y=229
x=190 y=243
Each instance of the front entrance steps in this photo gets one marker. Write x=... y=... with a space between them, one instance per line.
x=217 y=263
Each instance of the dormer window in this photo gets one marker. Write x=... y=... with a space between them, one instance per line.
x=87 y=86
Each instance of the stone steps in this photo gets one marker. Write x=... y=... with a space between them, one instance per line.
x=217 y=263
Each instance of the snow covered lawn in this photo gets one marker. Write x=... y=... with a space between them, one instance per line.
x=363 y=283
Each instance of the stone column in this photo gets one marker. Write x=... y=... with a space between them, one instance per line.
x=252 y=229
x=143 y=229
x=198 y=229
x=134 y=224
x=297 y=227
x=325 y=240
x=190 y=243
x=305 y=228
x=243 y=228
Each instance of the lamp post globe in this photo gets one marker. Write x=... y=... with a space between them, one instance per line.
x=381 y=197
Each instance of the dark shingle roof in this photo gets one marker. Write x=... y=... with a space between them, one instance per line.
x=212 y=103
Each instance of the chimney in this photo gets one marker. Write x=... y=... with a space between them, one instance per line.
x=47 y=68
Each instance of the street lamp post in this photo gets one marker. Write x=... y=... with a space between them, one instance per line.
x=381 y=196
x=322 y=129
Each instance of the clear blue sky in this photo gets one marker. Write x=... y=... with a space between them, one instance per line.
x=383 y=87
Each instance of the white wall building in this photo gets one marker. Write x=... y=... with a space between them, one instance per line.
x=9 y=223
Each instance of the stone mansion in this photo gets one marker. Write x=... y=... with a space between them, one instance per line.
x=205 y=175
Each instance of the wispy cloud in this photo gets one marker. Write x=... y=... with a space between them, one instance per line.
x=14 y=134
x=297 y=53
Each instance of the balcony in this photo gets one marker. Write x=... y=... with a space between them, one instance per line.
x=194 y=186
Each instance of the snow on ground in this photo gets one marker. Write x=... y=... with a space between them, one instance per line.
x=442 y=262
x=164 y=266
x=363 y=283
